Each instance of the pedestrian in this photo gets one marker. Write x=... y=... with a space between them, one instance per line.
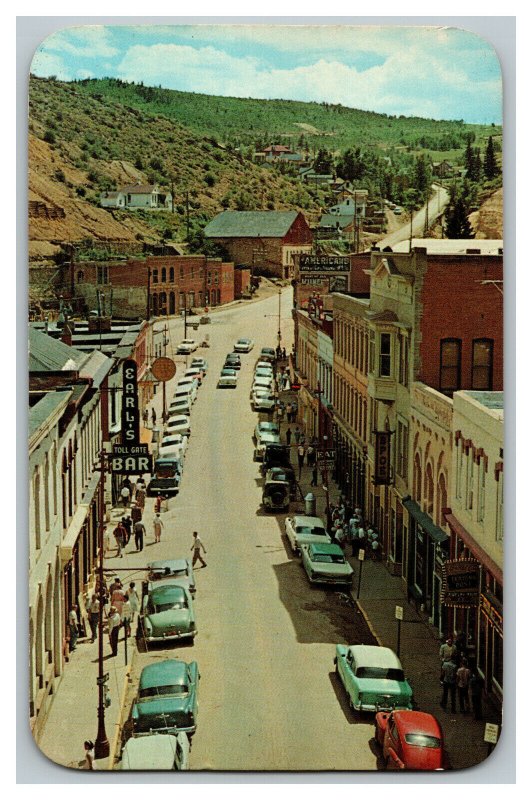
x=158 y=526
x=114 y=629
x=362 y=539
x=139 y=531
x=145 y=417
x=300 y=457
x=120 y=534
x=375 y=547
x=153 y=417
x=311 y=455
x=89 y=755
x=125 y=616
x=127 y=522
x=463 y=676
x=314 y=481
x=197 y=546
x=134 y=600
x=73 y=627
x=136 y=513
x=158 y=503
x=125 y=494
x=140 y=497
x=94 y=616
x=448 y=650
x=448 y=682
x=284 y=354
x=476 y=684
x=288 y=436
x=353 y=535
x=297 y=435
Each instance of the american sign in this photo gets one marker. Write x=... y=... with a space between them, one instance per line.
x=461 y=583
x=310 y=263
x=382 y=458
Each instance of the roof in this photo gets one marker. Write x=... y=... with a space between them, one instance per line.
x=253 y=224
x=493 y=400
x=47 y=354
x=417 y=722
x=47 y=405
x=311 y=522
x=164 y=673
x=336 y=220
x=374 y=656
x=486 y=247
x=139 y=188
x=96 y=367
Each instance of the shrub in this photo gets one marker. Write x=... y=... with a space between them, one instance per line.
x=59 y=175
x=210 y=180
x=49 y=136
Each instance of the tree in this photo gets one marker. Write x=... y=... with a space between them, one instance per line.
x=491 y=169
x=457 y=225
x=422 y=176
x=323 y=162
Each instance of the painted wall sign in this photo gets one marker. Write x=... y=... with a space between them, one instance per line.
x=338 y=283
x=461 y=583
x=311 y=263
x=130 y=403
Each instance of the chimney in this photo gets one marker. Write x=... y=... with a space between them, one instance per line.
x=66 y=336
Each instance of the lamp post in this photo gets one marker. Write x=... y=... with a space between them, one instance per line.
x=279 y=319
x=101 y=745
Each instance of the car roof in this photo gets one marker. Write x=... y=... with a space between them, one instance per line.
x=374 y=656
x=311 y=522
x=327 y=548
x=162 y=673
x=156 y=751
x=172 y=564
x=417 y=722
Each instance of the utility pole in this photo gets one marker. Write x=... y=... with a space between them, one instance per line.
x=279 y=319
x=187 y=213
x=101 y=745
x=148 y=303
x=426 y=230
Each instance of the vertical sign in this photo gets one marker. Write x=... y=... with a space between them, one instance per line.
x=130 y=403
x=382 y=458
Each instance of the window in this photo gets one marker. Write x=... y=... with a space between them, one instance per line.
x=172 y=275
x=481 y=491
x=469 y=480
x=403 y=360
x=163 y=275
x=181 y=272
x=482 y=366
x=450 y=365
x=102 y=274
x=385 y=355
x=80 y=276
x=459 y=457
x=372 y=351
x=155 y=276
x=209 y=278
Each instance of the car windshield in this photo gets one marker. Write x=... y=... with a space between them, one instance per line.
x=170 y=605
x=422 y=740
x=171 y=688
x=381 y=673
x=308 y=530
x=328 y=558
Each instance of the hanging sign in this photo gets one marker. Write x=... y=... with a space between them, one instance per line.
x=461 y=583
x=382 y=458
x=130 y=403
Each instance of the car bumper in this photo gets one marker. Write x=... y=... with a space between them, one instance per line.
x=172 y=637
x=329 y=580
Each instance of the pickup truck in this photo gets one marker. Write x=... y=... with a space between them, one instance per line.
x=166 y=476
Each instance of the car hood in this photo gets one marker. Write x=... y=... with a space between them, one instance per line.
x=323 y=568
x=309 y=538
x=179 y=619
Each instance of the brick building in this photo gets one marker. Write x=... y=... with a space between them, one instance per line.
x=355 y=282
x=266 y=241
x=172 y=282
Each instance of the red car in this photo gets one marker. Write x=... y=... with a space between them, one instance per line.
x=410 y=740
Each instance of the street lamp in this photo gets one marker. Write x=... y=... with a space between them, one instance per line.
x=279 y=319
x=101 y=745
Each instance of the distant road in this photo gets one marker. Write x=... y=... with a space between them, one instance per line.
x=436 y=205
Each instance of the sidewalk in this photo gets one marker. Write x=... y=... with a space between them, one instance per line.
x=380 y=593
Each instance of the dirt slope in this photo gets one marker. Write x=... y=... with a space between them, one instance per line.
x=487 y=222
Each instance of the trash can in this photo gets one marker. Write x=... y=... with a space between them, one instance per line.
x=310 y=505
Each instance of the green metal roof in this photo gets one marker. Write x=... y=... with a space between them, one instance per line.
x=253 y=224
x=39 y=413
x=47 y=354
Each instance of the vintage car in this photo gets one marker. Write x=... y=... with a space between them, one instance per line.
x=267 y=354
x=161 y=751
x=228 y=379
x=263 y=426
x=190 y=384
x=187 y=346
x=175 y=571
x=275 y=455
x=182 y=404
x=178 y=423
x=232 y=360
x=276 y=492
x=266 y=438
x=410 y=740
x=284 y=474
x=166 y=476
x=199 y=363
x=167 y=698
x=304 y=530
x=167 y=613
x=243 y=345
x=194 y=373
x=325 y=562
x=372 y=677
x=265 y=384
x=262 y=400
x=262 y=372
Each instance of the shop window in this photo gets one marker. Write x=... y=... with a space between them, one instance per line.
x=385 y=355
x=482 y=366
x=162 y=303
x=450 y=365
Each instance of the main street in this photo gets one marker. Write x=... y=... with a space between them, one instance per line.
x=268 y=696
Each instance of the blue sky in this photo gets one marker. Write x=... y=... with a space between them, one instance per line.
x=440 y=73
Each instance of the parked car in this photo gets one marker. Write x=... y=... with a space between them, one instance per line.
x=182 y=404
x=194 y=373
x=187 y=383
x=262 y=383
x=266 y=437
x=160 y=751
x=302 y=529
x=262 y=400
x=201 y=363
x=178 y=570
x=275 y=455
x=243 y=345
x=276 y=493
x=267 y=354
x=264 y=365
x=167 y=698
x=187 y=346
x=166 y=476
x=284 y=474
x=411 y=740
x=178 y=423
x=326 y=563
x=372 y=677
x=263 y=373
x=168 y=614
x=261 y=427
x=175 y=444
x=228 y=379
x=397 y=210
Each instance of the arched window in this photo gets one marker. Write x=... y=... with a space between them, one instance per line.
x=162 y=303
x=482 y=365
x=417 y=478
x=80 y=276
x=154 y=305
x=155 y=276
x=429 y=489
x=163 y=275
x=171 y=309
x=172 y=275
x=441 y=500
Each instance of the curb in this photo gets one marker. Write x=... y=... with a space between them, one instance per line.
x=120 y=721
x=368 y=623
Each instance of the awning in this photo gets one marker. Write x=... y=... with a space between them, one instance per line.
x=473 y=546
x=72 y=534
x=435 y=533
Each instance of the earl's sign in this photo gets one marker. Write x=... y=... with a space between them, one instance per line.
x=130 y=403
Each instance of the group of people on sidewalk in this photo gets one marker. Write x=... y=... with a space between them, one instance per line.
x=120 y=609
x=132 y=523
x=348 y=529
x=457 y=677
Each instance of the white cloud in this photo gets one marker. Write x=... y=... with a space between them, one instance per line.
x=45 y=64
x=89 y=41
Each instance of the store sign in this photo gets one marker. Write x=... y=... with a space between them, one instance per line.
x=130 y=460
x=130 y=403
x=461 y=583
x=323 y=264
x=338 y=283
x=312 y=280
x=382 y=458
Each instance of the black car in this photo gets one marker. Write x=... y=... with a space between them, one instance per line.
x=275 y=455
x=232 y=360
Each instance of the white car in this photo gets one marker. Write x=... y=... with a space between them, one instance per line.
x=304 y=530
x=179 y=423
x=194 y=373
x=243 y=345
x=188 y=383
x=176 y=443
x=264 y=365
x=260 y=372
x=187 y=346
x=262 y=383
x=181 y=404
x=228 y=378
x=262 y=400
x=266 y=437
x=262 y=427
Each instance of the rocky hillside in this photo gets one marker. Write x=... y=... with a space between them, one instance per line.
x=487 y=222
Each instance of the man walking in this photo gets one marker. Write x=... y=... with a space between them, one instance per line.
x=197 y=546
x=288 y=436
x=139 y=530
x=463 y=676
x=73 y=624
x=300 y=458
x=114 y=629
x=136 y=513
x=153 y=418
x=94 y=616
x=448 y=677
x=157 y=527
x=314 y=481
x=120 y=534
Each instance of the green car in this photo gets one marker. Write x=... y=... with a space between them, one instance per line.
x=326 y=563
x=168 y=613
x=167 y=699
x=373 y=678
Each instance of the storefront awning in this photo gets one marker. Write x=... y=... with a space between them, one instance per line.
x=435 y=533
x=473 y=546
x=72 y=534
